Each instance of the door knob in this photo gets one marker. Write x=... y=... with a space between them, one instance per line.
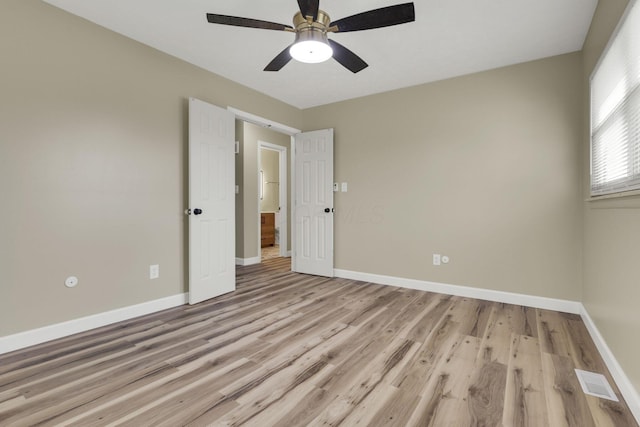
x=197 y=211
x=327 y=210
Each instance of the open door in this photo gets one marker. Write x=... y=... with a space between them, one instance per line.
x=313 y=205
x=211 y=201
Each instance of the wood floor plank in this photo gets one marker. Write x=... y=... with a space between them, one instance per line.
x=224 y=349
x=434 y=348
x=424 y=327
x=365 y=382
x=524 y=394
x=472 y=314
x=496 y=340
x=271 y=415
x=315 y=400
x=287 y=349
x=145 y=357
x=306 y=323
x=119 y=404
x=372 y=337
x=46 y=409
x=11 y=403
x=296 y=378
x=486 y=394
x=445 y=399
x=415 y=377
x=350 y=357
x=552 y=333
x=190 y=368
x=187 y=403
x=366 y=413
x=244 y=388
x=72 y=345
x=71 y=366
x=521 y=320
x=565 y=401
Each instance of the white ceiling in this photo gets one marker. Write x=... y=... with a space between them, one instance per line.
x=449 y=38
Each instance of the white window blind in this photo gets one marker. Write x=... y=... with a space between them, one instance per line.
x=615 y=110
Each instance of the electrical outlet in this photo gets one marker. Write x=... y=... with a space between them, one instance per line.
x=436 y=259
x=154 y=271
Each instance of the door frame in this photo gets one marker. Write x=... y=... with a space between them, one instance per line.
x=287 y=130
x=282 y=194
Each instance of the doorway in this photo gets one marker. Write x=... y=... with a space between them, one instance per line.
x=252 y=130
x=273 y=204
x=310 y=240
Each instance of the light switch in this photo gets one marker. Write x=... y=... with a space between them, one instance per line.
x=237 y=189
x=154 y=271
x=344 y=187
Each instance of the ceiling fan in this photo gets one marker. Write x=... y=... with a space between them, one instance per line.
x=311 y=26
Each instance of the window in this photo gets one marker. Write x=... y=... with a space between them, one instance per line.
x=615 y=110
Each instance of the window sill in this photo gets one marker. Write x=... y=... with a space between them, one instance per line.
x=620 y=195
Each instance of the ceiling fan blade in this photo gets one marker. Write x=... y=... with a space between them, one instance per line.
x=246 y=22
x=309 y=8
x=279 y=61
x=346 y=58
x=377 y=18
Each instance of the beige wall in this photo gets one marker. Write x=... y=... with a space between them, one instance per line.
x=612 y=233
x=93 y=132
x=269 y=164
x=483 y=168
x=252 y=134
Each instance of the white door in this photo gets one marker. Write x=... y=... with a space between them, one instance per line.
x=211 y=201
x=313 y=205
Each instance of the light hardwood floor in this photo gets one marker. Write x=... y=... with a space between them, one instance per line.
x=293 y=350
x=270 y=252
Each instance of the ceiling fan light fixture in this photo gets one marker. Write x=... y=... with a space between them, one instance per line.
x=311 y=25
x=311 y=46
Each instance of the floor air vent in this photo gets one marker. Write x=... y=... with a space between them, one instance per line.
x=595 y=385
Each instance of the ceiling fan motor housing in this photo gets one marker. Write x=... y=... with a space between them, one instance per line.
x=311 y=44
x=302 y=23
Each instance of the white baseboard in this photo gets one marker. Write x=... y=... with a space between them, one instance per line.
x=59 y=330
x=254 y=260
x=622 y=381
x=248 y=261
x=566 y=306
